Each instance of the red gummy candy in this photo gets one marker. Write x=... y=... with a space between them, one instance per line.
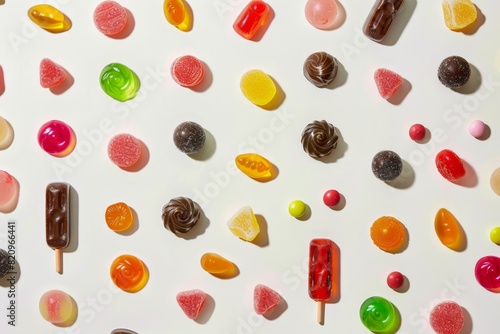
x=387 y=82
x=265 y=299
x=191 y=302
x=449 y=165
x=447 y=318
x=188 y=71
x=124 y=150
x=110 y=18
x=51 y=74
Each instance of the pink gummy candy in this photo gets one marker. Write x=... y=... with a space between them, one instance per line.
x=110 y=18
x=321 y=13
x=447 y=318
x=265 y=299
x=124 y=150
x=9 y=192
x=387 y=82
x=191 y=302
x=187 y=71
x=51 y=74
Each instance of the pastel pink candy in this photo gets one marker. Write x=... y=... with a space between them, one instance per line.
x=447 y=318
x=191 y=302
x=265 y=299
x=110 y=18
x=321 y=13
x=388 y=82
x=9 y=192
x=124 y=150
x=57 y=307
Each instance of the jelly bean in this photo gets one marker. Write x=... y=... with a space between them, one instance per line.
x=449 y=165
x=6 y=134
x=454 y=72
x=258 y=87
x=119 y=217
x=9 y=192
x=388 y=82
x=331 y=198
x=119 y=82
x=178 y=14
x=379 y=315
x=477 y=128
x=191 y=302
x=495 y=235
x=495 y=181
x=487 y=272
x=180 y=215
x=395 y=280
x=254 y=165
x=388 y=234
x=110 y=18
x=387 y=165
x=217 y=265
x=124 y=150
x=5 y=263
x=447 y=318
x=417 y=132
x=380 y=19
x=49 y=18
x=320 y=68
x=187 y=71
x=189 y=137
x=448 y=229
x=129 y=273
x=56 y=138
x=58 y=308
x=458 y=14
x=265 y=299
x=51 y=74
x=321 y=14
x=244 y=224
x=252 y=17
x=297 y=208
x=319 y=139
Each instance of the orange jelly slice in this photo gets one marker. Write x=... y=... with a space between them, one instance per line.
x=215 y=264
x=129 y=273
x=388 y=234
x=119 y=217
x=448 y=229
x=459 y=14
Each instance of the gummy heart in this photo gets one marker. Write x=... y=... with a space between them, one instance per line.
x=265 y=299
x=51 y=74
x=191 y=302
x=388 y=82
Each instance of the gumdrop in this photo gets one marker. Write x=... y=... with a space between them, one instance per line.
x=51 y=74
x=265 y=299
x=388 y=82
x=191 y=302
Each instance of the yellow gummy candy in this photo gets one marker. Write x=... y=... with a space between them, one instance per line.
x=48 y=18
x=258 y=87
x=458 y=14
x=254 y=165
x=244 y=224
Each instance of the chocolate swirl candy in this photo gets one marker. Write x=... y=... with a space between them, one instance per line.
x=180 y=215
x=320 y=68
x=319 y=138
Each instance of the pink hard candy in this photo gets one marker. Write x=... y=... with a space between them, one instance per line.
x=265 y=299
x=191 y=302
x=388 y=82
x=321 y=14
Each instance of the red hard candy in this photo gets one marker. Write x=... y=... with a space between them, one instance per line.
x=449 y=165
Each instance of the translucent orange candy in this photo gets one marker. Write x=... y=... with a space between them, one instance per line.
x=119 y=217
x=448 y=229
x=217 y=265
x=459 y=14
x=388 y=234
x=254 y=165
x=129 y=273
x=244 y=224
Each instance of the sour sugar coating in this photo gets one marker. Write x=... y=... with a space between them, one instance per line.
x=251 y=18
x=188 y=71
x=58 y=219
x=454 y=72
x=495 y=181
x=244 y=224
x=380 y=19
x=319 y=139
x=189 y=137
x=487 y=272
x=265 y=299
x=129 y=273
x=387 y=165
x=110 y=18
x=119 y=82
x=258 y=87
x=449 y=165
x=388 y=234
x=51 y=73
x=49 y=18
x=191 y=302
x=447 y=318
x=448 y=229
x=124 y=150
x=379 y=315
x=6 y=263
x=388 y=82
x=9 y=192
x=320 y=68
x=254 y=165
x=180 y=215
x=56 y=138
x=321 y=14
x=178 y=14
x=458 y=14
x=6 y=134
x=58 y=308
x=216 y=264
x=119 y=217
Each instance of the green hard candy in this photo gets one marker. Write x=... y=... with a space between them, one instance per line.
x=119 y=82
x=379 y=315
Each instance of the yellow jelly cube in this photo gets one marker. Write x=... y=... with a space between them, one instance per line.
x=258 y=87
x=458 y=14
x=244 y=224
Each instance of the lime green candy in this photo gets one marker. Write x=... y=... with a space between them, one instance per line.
x=379 y=315
x=495 y=235
x=119 y=82
x=297 y=208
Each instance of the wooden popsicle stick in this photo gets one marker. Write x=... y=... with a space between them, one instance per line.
x=59 y=260
x=320 y=312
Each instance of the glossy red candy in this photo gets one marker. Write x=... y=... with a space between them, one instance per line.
x=449 y=165
x=487 y=272
x=251 y=18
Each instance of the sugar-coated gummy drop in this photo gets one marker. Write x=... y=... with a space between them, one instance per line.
x=119 y=82
x=189 y=137
x=56 y=138
x=244 y=224
x=297 y=208
x=9 y=192
x=477 y=128
x=191 y=302
x=57 y=307
x=187 y=71
x=458 y=14
x=178 y=14
x=395 y=280
x=49 y=18
x=387 y=165
x=214 y=263
x=495 y=235
x=454 y=72
x=447 y=318
x=417 y=132
x=254 y=165
x=388 y=234
x=449 y=165
x=124 y=150
x=51 y=73
x=379 y=315
x=487 y=272
x=448 y=229
x=331 y=198
x=6 y=134
x=388 y=82
x=495 y=181
x=129 y=273
x=258 y=87
x=264 y=299
x=251 y=18
x=119 y=217
x=321 y=14
x=110 y=18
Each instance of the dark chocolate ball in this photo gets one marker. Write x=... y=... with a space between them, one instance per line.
x=387 y=165
x=189 y=137
x=454 y=72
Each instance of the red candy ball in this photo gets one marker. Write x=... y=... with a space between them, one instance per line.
x=395 y=280
x=331 y=198
x=449 y=165
x=417 y=132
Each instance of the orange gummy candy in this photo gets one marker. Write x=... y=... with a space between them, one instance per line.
x=254 y=165
x=119 y=217
x=448 y=229
x=129 y=273
x=215 y=264
x=459 y=14
x=388 y=234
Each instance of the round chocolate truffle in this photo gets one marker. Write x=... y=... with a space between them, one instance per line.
x=454 y=72
x=387 y=165
x=5 y=266
x=180 y=215
x=320 y=68
x=319 y=138
x=189 y=137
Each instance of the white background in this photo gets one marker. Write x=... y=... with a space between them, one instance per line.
x=418 y=41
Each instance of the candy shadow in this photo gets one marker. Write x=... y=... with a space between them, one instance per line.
x=405 y=286
x=259 y=34
x=470 y=180
x=307 y=214
x=15 y=271
x=473 y=84
x=74 y=215
x=206 y=82
x=468 y=324
x=143 y=159
x=401 y=94
x=338 y=152
x=474 y=27
x=340 y=205
x=487 y=133
x=208 y=149
x=198 y=229
x=400 y=22
x=11 y=139
x=277 y=311
x=406 y=179
x=129 y=27
x=134 y=227
x=64 y=86
x=206 y=311
x=427 y=137
x=262 y=239
x=340 y=79
x=278 y=98
x=2 y=81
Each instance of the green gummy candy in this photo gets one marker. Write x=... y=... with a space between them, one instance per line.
x=379 y=315
x=119 y=82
